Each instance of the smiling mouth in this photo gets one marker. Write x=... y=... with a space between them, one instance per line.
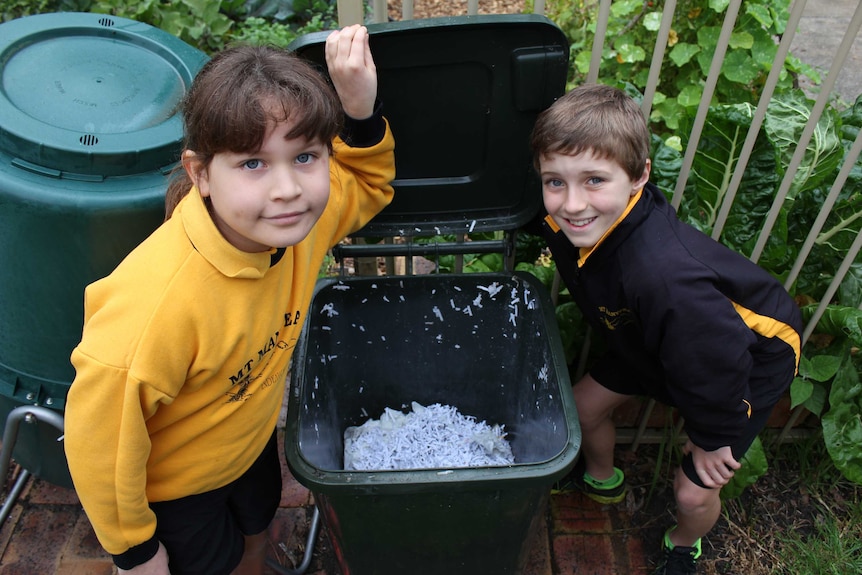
x=580 y=223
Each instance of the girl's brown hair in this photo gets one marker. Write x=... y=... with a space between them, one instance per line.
x=239 y=94
x=598 y=118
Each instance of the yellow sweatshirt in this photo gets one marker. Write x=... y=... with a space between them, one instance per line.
x=181 y=368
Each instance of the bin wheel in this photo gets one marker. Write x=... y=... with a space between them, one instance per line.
x=309 y=549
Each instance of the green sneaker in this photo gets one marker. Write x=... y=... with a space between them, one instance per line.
x=606 y=492
x=678 y=560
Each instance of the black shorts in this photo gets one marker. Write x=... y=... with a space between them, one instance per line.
x=773 y=374
x=204 y=534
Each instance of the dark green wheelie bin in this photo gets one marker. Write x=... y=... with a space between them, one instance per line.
x=89 y=128
x=462 y=95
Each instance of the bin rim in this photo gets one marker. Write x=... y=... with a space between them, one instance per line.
x=406 y=481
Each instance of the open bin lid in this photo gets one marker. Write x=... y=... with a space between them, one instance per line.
x=461 y=95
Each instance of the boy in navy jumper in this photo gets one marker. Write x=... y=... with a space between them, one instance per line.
x=687 y=321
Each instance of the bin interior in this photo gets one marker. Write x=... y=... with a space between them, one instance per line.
x=483 y=343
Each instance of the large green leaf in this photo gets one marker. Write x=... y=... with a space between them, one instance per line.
x=652 y=21
x=842 y=424
x=719 y=5
x=800 y=391
x=819 y=367
x=754 y=465
x=743 y=40
x=760 y=13
x=682 y=53
x=785 y=121
x=622 y=8
x=713 y=167
x=739 y=67
x=838 y=321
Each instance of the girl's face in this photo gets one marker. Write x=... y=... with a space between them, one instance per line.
x=585 y=195
x=271 y=198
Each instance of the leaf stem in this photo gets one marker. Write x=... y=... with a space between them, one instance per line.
x=827 y=235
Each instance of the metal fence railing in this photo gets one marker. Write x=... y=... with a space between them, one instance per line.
x=352 y=11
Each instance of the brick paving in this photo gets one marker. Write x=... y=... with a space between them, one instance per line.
x=47 y=532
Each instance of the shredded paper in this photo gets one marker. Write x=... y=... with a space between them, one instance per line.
x=432 y=437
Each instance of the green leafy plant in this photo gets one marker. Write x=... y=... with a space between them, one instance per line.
x=206 y=25
x=691 y=43
x=280 y=22
x=829 y=386
x=11 y=9
x=201 y=23
x=754 y=465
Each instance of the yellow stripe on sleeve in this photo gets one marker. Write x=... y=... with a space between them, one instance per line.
x=771 y=327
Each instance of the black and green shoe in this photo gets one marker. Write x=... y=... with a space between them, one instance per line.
x=676 y=559
x=608 y=491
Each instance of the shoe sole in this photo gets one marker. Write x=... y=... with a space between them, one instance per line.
x=605 y=499
x=594 y=494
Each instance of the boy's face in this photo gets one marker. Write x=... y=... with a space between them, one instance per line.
x=585 y=195
x=271 y=198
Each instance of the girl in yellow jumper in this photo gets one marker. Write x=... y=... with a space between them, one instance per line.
x=181 y=368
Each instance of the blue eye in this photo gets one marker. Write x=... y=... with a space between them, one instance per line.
x=252 y=164
x=304 y=158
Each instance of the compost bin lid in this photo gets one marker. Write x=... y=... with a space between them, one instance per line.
x=461 y=95
x=90 y=95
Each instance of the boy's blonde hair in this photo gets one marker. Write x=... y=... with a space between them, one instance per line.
x=598 y=118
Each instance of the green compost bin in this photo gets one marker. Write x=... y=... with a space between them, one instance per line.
x=89 y=128
x=461 y=95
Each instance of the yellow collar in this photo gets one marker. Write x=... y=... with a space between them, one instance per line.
x=586 y=252
x=209 y=242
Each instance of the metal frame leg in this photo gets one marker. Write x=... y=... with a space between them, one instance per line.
x=28 y=414
x=35 y=413
x=309 y=549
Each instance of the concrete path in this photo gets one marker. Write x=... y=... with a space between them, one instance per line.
x=821 y=29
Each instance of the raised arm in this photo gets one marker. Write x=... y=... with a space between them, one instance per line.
x=352 y=70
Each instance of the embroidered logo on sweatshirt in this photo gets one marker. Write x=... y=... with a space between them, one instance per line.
x=615 y=319
x=241 y=382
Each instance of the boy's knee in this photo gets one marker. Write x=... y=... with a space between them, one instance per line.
x=592 y=419
x=693 y=498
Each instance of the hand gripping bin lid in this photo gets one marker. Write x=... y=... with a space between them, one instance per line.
x=461 y=95
x=89 y=128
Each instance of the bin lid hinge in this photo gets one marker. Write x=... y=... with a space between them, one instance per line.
x=504 y=246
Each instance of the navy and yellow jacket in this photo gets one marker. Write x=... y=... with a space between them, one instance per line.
x=685 y=318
